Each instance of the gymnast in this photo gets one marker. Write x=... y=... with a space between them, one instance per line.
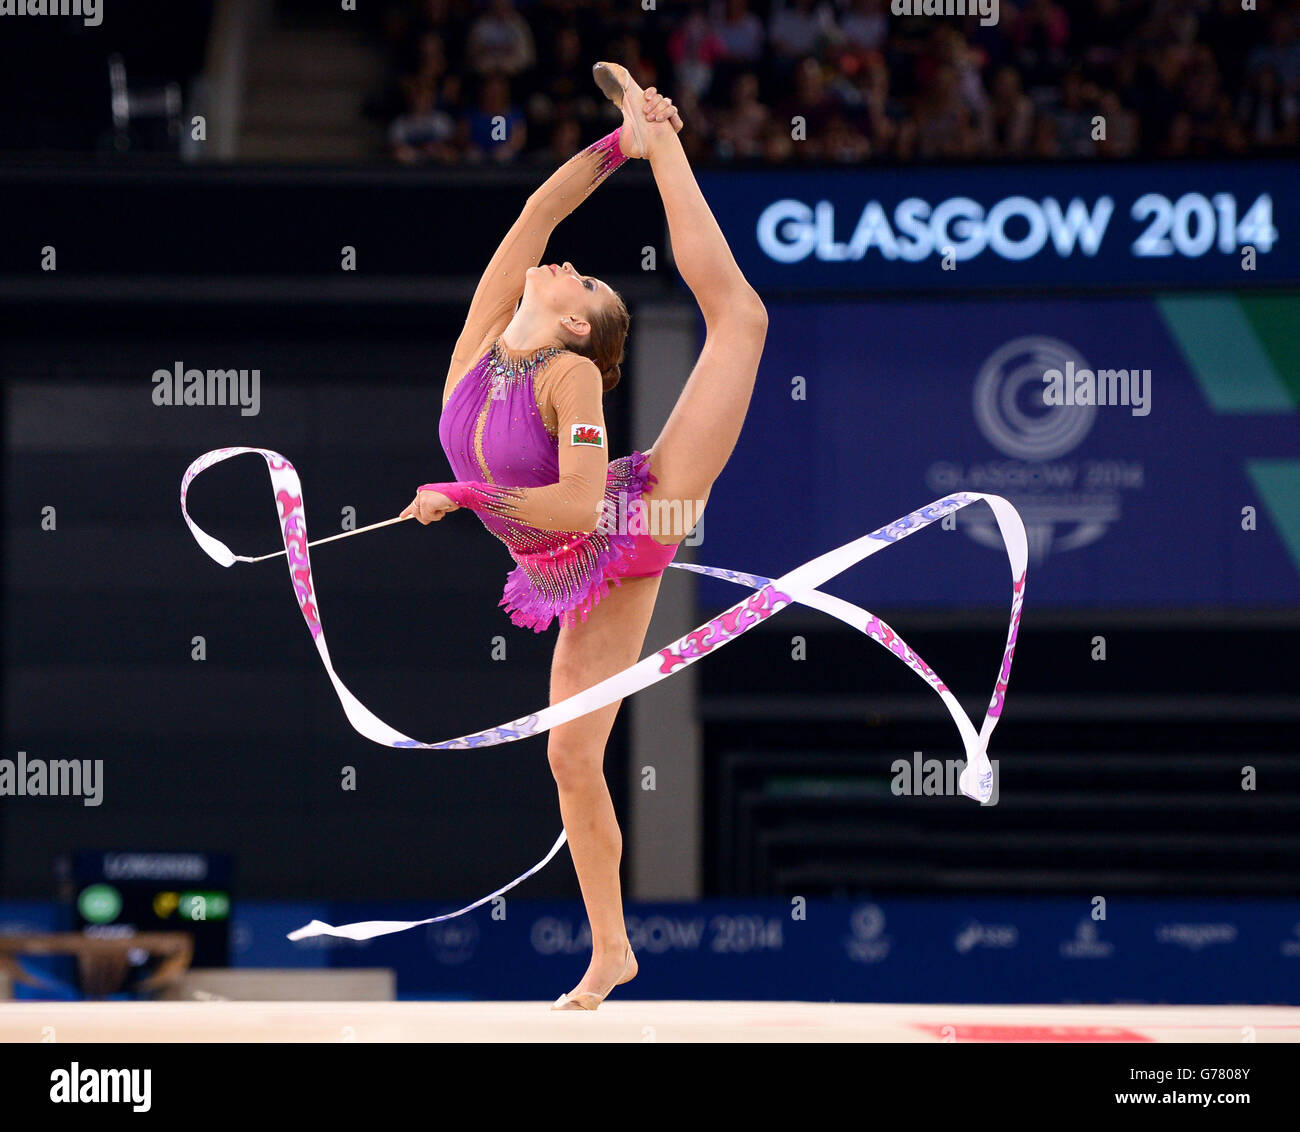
x=523 y=428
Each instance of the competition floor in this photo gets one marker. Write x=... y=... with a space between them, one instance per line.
x=636 y=1022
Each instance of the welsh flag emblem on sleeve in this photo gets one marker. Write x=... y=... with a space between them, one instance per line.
x=590 y=434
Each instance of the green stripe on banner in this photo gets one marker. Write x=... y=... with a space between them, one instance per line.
x=1221 y=349
x=1278 y=481
x=1276 y=319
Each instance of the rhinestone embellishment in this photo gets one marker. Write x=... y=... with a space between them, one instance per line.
x=512 y=369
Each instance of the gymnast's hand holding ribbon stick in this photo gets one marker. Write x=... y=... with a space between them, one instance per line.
x=799 y=585
x=429 y=506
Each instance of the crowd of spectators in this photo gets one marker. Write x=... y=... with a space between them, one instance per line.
x=847 y=80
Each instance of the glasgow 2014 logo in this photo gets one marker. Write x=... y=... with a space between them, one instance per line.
x=1066 y=503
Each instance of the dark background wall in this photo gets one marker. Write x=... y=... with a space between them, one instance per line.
x=244 y=751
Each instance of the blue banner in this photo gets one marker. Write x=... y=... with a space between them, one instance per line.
x=871 y=950
x=1227 y=224
x=886 y=950
x=1183 y=491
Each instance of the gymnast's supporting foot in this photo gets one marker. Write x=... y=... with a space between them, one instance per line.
x=597 y=975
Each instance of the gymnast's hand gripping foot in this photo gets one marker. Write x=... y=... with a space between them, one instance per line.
x=523 y=428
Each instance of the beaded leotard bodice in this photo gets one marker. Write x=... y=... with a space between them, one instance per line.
x=493 y=432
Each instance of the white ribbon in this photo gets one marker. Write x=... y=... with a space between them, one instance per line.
x=770 y=595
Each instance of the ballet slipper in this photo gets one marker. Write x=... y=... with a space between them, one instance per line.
x=590 y=1000
x=622 y=90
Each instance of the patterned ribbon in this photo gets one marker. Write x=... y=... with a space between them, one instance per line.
x=798 y=586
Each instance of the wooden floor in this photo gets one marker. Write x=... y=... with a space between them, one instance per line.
x=635 y=1022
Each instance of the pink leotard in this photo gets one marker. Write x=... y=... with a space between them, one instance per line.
x=525 y=433
x=496 y=438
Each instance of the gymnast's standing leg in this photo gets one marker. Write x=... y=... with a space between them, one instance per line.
x=688 y=456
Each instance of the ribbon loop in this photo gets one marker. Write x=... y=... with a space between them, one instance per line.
x=769 y=596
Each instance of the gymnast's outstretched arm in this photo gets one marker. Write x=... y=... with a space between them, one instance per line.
x=502 y=284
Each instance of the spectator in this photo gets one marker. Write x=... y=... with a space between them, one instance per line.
x=547 y=17
x=448 y=18
x=1098 y=32
x=1157 y=97
x=865 y=24
x=1044 y=144
x=883 y=113
x=626 y=49
x=1206 y=126
x=430 y=58
x=799 y=29
x=495 y=129
x=1011 y=116
x=1039 y=35
x=778 y=146
x=500 y=42
x=1177 y=21
x=864 y=92
x=1281 y=53
x=1121 y=139
x=566 y=81
x=842 y=141
x=949 y=46
x=565 y=141
x=741 y=33
x=810 y=104
x=620 y=18
x=942 y=125
x=695 y=47
x=699 y=142
x=1072 y=115
x=741 y=126
x=1266 y=112
x=1226 y=26
x=423 y=132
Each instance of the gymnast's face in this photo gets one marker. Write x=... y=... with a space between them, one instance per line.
x=572 y=298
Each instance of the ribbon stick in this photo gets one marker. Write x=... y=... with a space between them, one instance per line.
x=332 y=538
x=798 y=586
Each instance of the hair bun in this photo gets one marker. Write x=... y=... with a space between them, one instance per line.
x=611 y=377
